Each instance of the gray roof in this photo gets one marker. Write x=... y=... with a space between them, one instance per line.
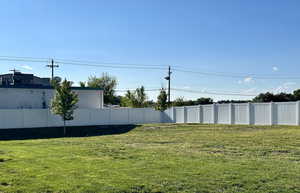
x=46 y=87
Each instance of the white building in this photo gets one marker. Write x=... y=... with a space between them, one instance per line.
x=39 y=97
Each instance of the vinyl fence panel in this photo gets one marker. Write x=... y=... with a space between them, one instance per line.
x=192 y=114
x=223 y=115
x=285 y=113
x=179 y=114
x=207 y=111
x=261 y=113
x=241 y=113
x=35 y=118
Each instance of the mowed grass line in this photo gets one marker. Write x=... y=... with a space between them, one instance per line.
x=157 y=158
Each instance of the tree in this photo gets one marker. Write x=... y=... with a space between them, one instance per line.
x=178 y=102
x=204 y=101
x=233 y=101
x=297 y=94
x=136 y=99
x=55 y=81
x=264 y=97
x=281 y=97
x=64 y=102
x=82 y=84
x=107 y=83
x=162 y=103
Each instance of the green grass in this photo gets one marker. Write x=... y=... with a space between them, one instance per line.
x=157 y=158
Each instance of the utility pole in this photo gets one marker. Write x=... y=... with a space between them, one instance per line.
x=168 y=78
x=14 y=71
x=52 y=66
x=13 y=76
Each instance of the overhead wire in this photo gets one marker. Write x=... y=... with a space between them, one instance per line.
x=212 y=92
x=144 y=66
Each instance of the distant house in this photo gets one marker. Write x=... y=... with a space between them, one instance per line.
x=25 y=91
x=20 y=79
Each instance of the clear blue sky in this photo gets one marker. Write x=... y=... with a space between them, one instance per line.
x=232 y=36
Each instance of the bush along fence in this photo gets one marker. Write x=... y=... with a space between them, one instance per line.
x=283 y=113
x=273 y=113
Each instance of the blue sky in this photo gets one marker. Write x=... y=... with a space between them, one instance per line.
x=233 y=36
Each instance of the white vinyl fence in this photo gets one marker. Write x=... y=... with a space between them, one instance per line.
x=29 y=118
x=284 y=113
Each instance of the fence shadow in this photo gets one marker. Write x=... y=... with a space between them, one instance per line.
x=57 y=132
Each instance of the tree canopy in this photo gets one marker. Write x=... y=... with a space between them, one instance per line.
x=64 y=102
x=162 y=103
x=281 y=97
x=107 y=83
x=136 y=99
x=200 y=101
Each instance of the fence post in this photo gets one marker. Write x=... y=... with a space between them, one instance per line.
x=214 y=118
x=230 y=113
x=298 y=113
x=184 y=115
x=174 y=114
x=144 y=116
x=161 y=116
x=109 y=120
x=272 y=113
x=249 y=114
x=23 y=120
x=128 y=116
x=200 y=114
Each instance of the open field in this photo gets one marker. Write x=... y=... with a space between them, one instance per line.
x=157 y=158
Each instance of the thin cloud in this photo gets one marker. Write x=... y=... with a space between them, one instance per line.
x=275 y=68
x=246 y=80
x=26 y=67
x=285 y=87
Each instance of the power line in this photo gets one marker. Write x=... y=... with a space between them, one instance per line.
x=228 y=93
x=60 y=60
x=213 y=93
x=125 y=90
x=110 y=66
x=234 y=75
x=144 y=66
x=24 y=57
x=22 y=60
x=108 y=63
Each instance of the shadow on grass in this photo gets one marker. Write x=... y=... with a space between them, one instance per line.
x=56 y=132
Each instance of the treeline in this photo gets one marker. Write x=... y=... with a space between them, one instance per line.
x=281 y=97
x=138 y=98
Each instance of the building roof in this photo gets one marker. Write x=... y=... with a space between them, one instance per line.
x=45 y=87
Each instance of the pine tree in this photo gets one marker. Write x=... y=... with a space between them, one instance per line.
x=162 y=100
x=64 y=102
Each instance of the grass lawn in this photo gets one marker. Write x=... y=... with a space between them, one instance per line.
x=157 y=158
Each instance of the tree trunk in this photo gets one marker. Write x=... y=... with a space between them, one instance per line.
x=65 y=129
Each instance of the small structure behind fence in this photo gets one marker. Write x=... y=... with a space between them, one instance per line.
x=283 y=113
